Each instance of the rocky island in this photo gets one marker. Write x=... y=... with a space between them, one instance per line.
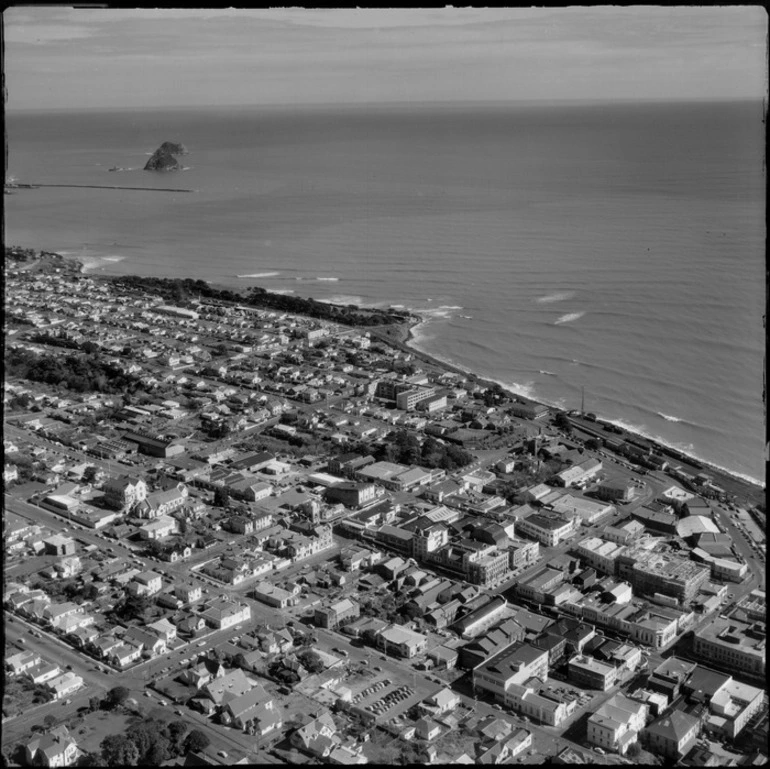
x=164 y=158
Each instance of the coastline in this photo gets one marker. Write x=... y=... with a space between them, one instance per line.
x=402 y=336
x=722 y=476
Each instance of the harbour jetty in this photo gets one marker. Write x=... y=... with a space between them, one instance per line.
x=102 y=187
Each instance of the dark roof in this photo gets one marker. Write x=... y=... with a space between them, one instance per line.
x=704 y=683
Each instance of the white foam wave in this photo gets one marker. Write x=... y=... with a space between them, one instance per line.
x=342 y=299
x=668 y=417
x=396 y=306
x=259 y=275
x=331 y=280
x=570 y=317
x=90 y=262
x=685 y=448
x=113 y=258
x=281 y=290
x=559 y=296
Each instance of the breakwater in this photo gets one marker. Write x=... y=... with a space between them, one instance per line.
x=101 y=187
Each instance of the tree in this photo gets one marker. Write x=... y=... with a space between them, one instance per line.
x=593 y=444
x=119 y=750
x=176 y=734
x=89 y=476
x=117 y=696
x=94 y=704
x=311 y=661
x=634 y=750
x=196 y=741
x=221 y=497
x=49 y=721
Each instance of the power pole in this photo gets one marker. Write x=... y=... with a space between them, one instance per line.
x=583 y=401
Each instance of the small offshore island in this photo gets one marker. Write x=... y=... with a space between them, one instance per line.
x=273 y=511
x=164 y=158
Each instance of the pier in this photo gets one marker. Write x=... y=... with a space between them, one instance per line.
x=98 y=187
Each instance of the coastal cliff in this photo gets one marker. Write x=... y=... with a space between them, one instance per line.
x=164 y=158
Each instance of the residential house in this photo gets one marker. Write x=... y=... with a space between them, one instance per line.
x=54 y=748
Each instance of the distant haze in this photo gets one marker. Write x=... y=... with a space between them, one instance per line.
x=60 y=58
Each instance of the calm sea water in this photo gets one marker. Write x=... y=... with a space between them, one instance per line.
x=614 y=248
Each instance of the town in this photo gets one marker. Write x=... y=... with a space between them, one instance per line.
x=235 y=534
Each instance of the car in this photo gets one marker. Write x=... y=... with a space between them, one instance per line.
x=222 y=753
x=147 y=694
x=178 y=712
x=599 y=751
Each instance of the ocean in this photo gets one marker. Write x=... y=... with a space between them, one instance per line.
x=612 y=249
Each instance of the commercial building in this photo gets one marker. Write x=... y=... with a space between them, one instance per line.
x=525 y=700
x=615 y=490
x=535 y=587
x=617 y=724
x=586 y=671
x=733 y=706
x=672 y=735
x=733 y=644
x=401 y=642
x=522 y=553
x=600 y=554
x=587 y=510
x=547 y=528
x=351 y=494
x=332 y=616
x=652 y=571
x=516 y=665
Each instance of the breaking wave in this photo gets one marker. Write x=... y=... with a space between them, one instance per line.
x=570 y=317
x=559 y=296
x=260 y=275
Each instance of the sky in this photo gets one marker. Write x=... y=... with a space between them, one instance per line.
x=73 y=58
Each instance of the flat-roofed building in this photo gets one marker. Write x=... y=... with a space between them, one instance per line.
x=733 y=644
x=589 y=511
x=547 y=528
x=586 y=671
x=652 y=571
x=624 y=532
x=733 y=706
x=515 y=665
x=401 y=642
x=525 y=700
x=522 y=553
x=614 y=490
x=600 y=554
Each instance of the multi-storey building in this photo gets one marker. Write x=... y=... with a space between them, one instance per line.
x=547 y=528
x=734 y=645
x=522 y=553
x=515 y=665
x=600 y=554
x=586 y=671
x=332 y=616
x=124 y=492
x=652 y=571
x=616 y=724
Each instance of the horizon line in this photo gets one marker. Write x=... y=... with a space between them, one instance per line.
x=418 y=104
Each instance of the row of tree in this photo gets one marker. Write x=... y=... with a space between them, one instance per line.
x=151 y=742
x=180 y=290
x=81 y=373
x=404 y=447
